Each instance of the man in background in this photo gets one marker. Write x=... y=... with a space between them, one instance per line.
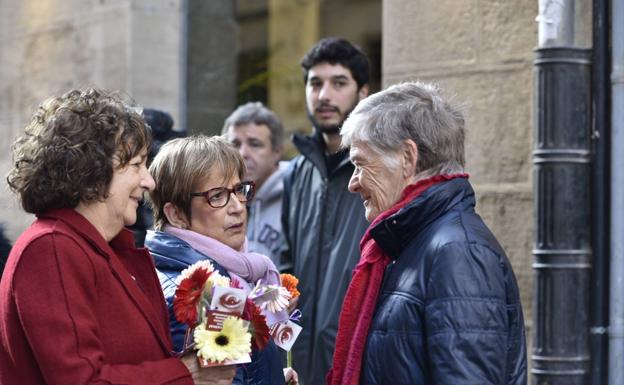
x=323 y=222
x=257 y=133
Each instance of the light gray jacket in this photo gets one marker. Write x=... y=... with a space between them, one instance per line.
x=264 y=226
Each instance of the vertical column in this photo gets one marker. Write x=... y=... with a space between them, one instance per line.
x=562 y=250
x=211 y=64
x=616 y=301
x=600 y=187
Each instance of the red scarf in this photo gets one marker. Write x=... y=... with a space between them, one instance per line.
x=361 y=297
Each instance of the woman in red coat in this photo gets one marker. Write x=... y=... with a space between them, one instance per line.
x=78 y=303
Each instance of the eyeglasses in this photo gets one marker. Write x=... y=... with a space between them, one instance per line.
x=220 y=196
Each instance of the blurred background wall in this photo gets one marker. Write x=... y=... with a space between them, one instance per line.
x=48 y=47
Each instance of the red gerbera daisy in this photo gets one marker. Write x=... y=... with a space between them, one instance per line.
x=257 y=325
x=187 y=296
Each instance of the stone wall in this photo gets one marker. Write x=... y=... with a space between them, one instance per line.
x=49 y=47
x=480 y=52
x=294 y=28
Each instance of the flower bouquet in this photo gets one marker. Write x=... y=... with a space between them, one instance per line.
x=224 y=320
x=290 y=282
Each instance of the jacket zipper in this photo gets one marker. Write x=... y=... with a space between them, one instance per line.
x=318 y=261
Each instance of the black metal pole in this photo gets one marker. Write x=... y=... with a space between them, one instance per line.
x=601 y=188
x=562 y=240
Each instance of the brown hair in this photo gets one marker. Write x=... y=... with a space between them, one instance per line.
x=182 y=165
x=69 y=150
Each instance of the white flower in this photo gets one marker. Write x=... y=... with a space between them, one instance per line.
x=216 y=279
x=279 y=301
x=233 y=342
x=189 y=270
x=272 y=298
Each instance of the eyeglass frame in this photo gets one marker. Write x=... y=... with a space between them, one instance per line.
x=229 y=191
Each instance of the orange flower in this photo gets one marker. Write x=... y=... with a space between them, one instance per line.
x=290 y=282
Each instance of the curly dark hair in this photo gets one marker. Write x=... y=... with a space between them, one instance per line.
x=335 y=50
x=71 y=147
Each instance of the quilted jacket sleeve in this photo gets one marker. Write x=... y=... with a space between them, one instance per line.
x=466 y=316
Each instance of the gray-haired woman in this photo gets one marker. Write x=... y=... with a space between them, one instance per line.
x=433 y=298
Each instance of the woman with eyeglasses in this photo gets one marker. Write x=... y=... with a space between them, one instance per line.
x=200 y=213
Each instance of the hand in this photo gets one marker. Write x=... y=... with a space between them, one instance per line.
x=291 y=377
x=292 y=305
x=217 y=375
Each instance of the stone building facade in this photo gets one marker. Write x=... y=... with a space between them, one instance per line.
x=481 y=53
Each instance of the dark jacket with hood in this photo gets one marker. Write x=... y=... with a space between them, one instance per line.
x=449 y=310
x=323 y=223
x=171 y=256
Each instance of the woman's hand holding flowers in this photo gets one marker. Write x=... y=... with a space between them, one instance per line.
x=218 y=375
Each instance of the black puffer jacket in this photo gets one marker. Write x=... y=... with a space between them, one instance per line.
x=449 y=309
x=323 y=223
